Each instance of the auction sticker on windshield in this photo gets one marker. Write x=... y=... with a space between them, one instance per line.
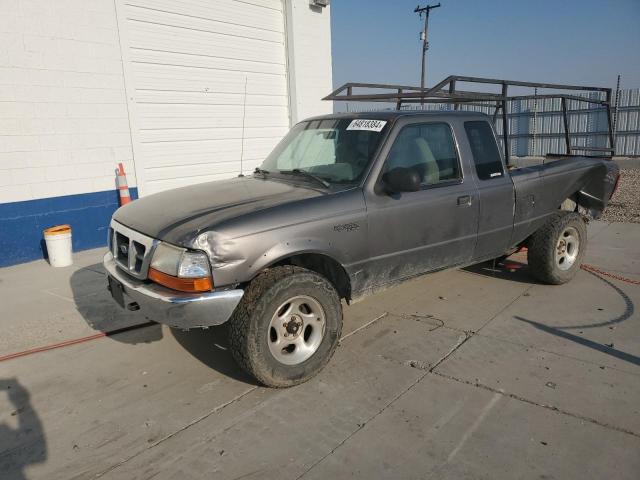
x=366 y=124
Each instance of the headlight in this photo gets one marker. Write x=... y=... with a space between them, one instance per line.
x=166 y=259
x=193 y=265
x=180 y=269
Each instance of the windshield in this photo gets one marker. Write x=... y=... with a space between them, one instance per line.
x=336 y=150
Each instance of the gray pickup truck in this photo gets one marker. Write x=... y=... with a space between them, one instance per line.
x=346 y=204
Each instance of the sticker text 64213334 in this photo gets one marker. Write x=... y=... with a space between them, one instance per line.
x=366 y=124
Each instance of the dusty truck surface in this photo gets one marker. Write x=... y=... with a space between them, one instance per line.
x=345 y=205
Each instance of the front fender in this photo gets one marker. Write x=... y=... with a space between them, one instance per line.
x=238 y=260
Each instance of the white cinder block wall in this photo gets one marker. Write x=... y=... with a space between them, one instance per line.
x=308 y=59
x=186 y=71
x=186 y=64
x=63 y=111
x=158 y=85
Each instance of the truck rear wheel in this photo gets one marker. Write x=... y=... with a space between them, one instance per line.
x=287 y=326
x=556 y=250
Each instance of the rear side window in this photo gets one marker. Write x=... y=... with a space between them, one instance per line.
x=485 y=150
x=429 y=150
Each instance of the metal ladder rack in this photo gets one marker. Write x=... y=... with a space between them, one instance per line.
x=446 y=91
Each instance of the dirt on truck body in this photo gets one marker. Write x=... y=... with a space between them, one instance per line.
x=344 y=205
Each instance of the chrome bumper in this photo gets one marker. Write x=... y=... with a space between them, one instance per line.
x=176 y=309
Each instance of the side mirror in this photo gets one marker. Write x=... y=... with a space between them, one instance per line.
x=401 y=180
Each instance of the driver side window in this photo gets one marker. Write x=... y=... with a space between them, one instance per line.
x=429 y=150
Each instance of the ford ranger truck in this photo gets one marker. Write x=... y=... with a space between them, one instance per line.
x=346 y=204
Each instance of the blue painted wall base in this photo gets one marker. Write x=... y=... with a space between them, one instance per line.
x=22 y=223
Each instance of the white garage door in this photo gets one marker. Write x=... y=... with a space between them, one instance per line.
x=186 y=72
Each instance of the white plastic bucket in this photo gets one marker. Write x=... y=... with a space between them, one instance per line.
x=58 y=240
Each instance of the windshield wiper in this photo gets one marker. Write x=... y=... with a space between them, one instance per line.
x=304 y=173
x=261 y=171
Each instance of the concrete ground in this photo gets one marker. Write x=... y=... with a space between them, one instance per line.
x=474 y=373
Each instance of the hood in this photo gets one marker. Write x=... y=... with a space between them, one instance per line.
x=177 y=216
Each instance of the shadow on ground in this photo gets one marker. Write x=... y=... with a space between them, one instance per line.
x=561 y=331
x=629 y=308
x=518 y=273
x=585 y=342
x=93 y=301
x=24 y=444
x=211 y=347
x=100 y=311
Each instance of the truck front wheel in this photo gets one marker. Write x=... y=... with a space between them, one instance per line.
x=556 y=250
x=287 y=326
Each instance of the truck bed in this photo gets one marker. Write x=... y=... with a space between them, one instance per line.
x=541 y=189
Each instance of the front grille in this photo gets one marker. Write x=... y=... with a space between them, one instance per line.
x=131 y=250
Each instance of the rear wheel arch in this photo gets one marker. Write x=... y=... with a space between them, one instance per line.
x=570 y=204
x=583 y=204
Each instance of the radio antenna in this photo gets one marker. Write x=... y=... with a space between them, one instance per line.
x=244 y=111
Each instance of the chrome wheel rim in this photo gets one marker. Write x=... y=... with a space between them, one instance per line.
x=567 y=248
x=296 y=330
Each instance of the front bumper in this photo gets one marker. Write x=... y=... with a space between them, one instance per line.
x=176 y=309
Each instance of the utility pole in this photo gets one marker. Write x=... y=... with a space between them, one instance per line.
x=535 y=120
x=615 y=108
x=423 y=36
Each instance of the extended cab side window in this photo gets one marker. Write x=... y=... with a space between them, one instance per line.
x=428 y=149
x=484 y=149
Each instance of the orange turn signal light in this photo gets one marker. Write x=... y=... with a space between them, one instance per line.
x=181 y=284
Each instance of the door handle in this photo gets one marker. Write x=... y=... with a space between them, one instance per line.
x=464 y=201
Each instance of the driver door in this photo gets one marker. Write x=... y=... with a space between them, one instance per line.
x=435 y=227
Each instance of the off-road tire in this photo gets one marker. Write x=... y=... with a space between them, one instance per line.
x=249 y=325
x=542 y=246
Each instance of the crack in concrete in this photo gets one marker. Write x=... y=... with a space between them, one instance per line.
x=461 y=341
x=520 y=295
x=57 y=295
x=224 y=405
x=413 y=364
x=562 y=355
x=97 y=270
x=233 y=400
x=424 y=367
x=425 y=372
x=362 y=327
x=418 y=364
x=431 y=320
x=363 y=424
x=468 y=335
x=542 y=405
x=429 y=367
x=178 y=431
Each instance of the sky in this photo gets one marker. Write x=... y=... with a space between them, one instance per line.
x=584 y=42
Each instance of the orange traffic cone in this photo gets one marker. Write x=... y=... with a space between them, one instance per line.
x=123 y=188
